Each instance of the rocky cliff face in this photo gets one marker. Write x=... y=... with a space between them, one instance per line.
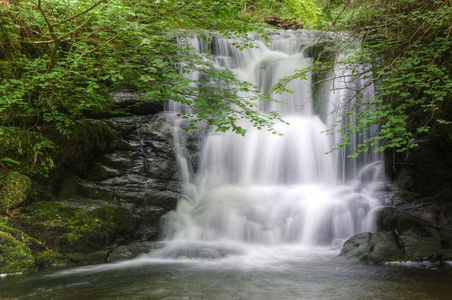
x=138 y=175
x=103 y=209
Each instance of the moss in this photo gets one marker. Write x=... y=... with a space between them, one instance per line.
x=96 y=257
x=88 y=139
x=99 y=228
x=33 y=244
x=7 y=69
x=51 y=258
x=43 y=256
x=15 y=190
x=72 y=230
x=14 y=256
x=74 y=186
x=25 y=148
x=69 y=187
x=9 y=40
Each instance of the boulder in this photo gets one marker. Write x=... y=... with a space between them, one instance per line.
x=373 y=248
x=284 y=24
x=407 y=232
x=15 y=257
x=14 y=190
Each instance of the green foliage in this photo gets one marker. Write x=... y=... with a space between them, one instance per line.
x=74 y=54
x=411 y=46
x=405 y=52
x=304 y=10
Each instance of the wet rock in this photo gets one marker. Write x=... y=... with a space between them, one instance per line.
x=422 y=175
x=132 y=250
x=136 y=178
x=416 y=234
x=424 y=233
x=421 y=246
x=373 y=248
x=127 y=103
x=391 y=218
x=137 y=104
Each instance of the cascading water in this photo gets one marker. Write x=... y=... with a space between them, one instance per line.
x=269 y=212
x=269 y=190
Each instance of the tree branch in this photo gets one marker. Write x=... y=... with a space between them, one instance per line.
x=82 y=12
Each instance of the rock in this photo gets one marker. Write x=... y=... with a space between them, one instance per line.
x=129 y=103
x=421 y=246
x=15 y=189
x=373 y=248
x=422 y=174
x=284 y=24
x=273 y=20
x=14 y=256
x=135 y=182
x=73 y=230
x=400 y=219
x=114 y=186
x=137 y=104
x=423 y=233
x=386 y=246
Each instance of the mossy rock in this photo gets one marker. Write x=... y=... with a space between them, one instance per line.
x=421 y=246
x=74 y=186
x=51 y=258
x=31 y=243
x=24 y=148
x=373 y=248
x=43 y=256
x=87 y=140
x=15 y=257
x=390 y=219
x=14 y=190
x=99 y=228
x=72 y=230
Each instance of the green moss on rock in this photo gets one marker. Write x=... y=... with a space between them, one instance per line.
x=25 y=148
x=72 y=230
x=15 y=190
x=88 y=138
x=15 y=257
x=51 y=258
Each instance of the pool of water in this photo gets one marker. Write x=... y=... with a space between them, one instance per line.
x=285 y=272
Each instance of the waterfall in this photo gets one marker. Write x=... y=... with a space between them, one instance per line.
x=269 y=190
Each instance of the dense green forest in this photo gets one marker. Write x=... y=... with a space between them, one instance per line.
x=60 y=62
x=60 y=59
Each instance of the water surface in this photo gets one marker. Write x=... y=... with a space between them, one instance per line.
x=285 y=272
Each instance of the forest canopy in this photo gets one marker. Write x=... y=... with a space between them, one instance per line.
x=60 y=59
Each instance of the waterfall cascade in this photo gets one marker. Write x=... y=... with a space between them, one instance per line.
x=267 y=190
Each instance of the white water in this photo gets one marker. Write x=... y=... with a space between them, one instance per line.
x=263 y=218
x=266 y=190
